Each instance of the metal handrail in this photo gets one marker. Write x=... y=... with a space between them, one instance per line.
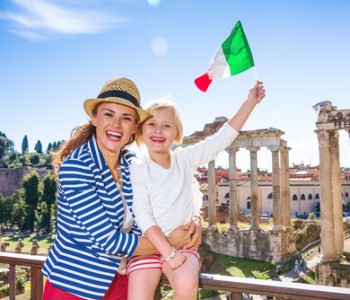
x=234 y=285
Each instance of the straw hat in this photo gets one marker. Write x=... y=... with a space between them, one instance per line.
x=118 y=90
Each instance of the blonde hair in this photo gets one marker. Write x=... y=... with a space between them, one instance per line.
x=80 y=135
x=153 y=108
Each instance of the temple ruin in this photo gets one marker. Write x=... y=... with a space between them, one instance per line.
x=276 y=244
x=333 y=269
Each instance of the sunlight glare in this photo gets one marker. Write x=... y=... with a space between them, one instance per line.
x=159 y=45
x=153 y=2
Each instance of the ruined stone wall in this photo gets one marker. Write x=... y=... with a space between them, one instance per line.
x=333 y=274
x=267 y=245
x=12 y=179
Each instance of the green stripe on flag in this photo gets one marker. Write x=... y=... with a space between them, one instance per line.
x=237 y=51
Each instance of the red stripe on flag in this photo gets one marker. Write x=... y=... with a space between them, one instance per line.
x=203 y=82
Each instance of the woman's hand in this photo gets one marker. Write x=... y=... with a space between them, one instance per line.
x=180 y=236
x=196 y=234
x=187 y=237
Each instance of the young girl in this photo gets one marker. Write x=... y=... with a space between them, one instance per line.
x=166 y=194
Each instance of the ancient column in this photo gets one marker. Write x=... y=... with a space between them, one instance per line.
x=233 y=204
x=254 y=188
x=326 y=203
x=276 y=186
x=336 y=194
x=285 y=189
x=211 y=195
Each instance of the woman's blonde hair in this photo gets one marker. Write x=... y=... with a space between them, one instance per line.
x=79 y=136
x=153 y=108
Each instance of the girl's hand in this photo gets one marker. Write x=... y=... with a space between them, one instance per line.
x=177 y=261
x=256 y=93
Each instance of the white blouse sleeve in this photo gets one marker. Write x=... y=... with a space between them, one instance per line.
x=207 y=149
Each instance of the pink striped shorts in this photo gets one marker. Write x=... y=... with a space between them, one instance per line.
x=155 y=261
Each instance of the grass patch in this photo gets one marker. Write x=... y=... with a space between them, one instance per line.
x=222 y=227
x=234 y=266
x=239 y=267
x=27 y=241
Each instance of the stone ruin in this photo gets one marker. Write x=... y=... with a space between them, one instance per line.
x=333 y=269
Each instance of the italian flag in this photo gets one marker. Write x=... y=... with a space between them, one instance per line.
x=232 y=57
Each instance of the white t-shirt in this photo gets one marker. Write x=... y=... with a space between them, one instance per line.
x=169 y=198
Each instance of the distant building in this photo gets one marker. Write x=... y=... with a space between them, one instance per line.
x=304 y=189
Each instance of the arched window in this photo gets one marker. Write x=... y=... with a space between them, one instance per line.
x=346 y=194
x=302 y=197
x=310 y=197
x=227 y=195
x=317 y=196
x=269 y=196
x=295 y=197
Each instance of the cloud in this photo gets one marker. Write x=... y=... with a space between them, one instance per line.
x=40 y=19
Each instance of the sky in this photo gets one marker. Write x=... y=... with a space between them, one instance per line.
x=55 y=54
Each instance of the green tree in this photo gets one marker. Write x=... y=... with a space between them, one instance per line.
x=24 y=159
x=45 y=218
x=25 y=145
x=6 y=148
x=31 y=195
x=49 y=189
x=49 y=148
x=3 y=150
x=5 y=210
x=56 y=145
x=14 y=160
x=19 y=209
x=48 y=199
x=34 y=158
x=38 y=147
x=48 y=160
x=12 y=210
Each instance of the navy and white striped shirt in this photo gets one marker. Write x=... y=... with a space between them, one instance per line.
x=89 y=244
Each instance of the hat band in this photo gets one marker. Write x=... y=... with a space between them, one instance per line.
x=119 y=94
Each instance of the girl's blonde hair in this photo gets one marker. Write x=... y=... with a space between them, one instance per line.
x=79 y=136
x=153 y=108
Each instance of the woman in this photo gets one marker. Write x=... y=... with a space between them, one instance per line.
x=95 y=227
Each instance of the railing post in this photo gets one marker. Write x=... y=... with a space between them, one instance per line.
x=36 y=283
x=236 y=296
x=158 y=293
x=12 y=280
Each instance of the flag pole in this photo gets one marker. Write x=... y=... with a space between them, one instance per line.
x=256 y=74
x=256 y=78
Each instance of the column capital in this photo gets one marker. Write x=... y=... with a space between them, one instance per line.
x=285 y=149
x=325 y=137
x=253 y=148
x=231 y=149
x=274 y=148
